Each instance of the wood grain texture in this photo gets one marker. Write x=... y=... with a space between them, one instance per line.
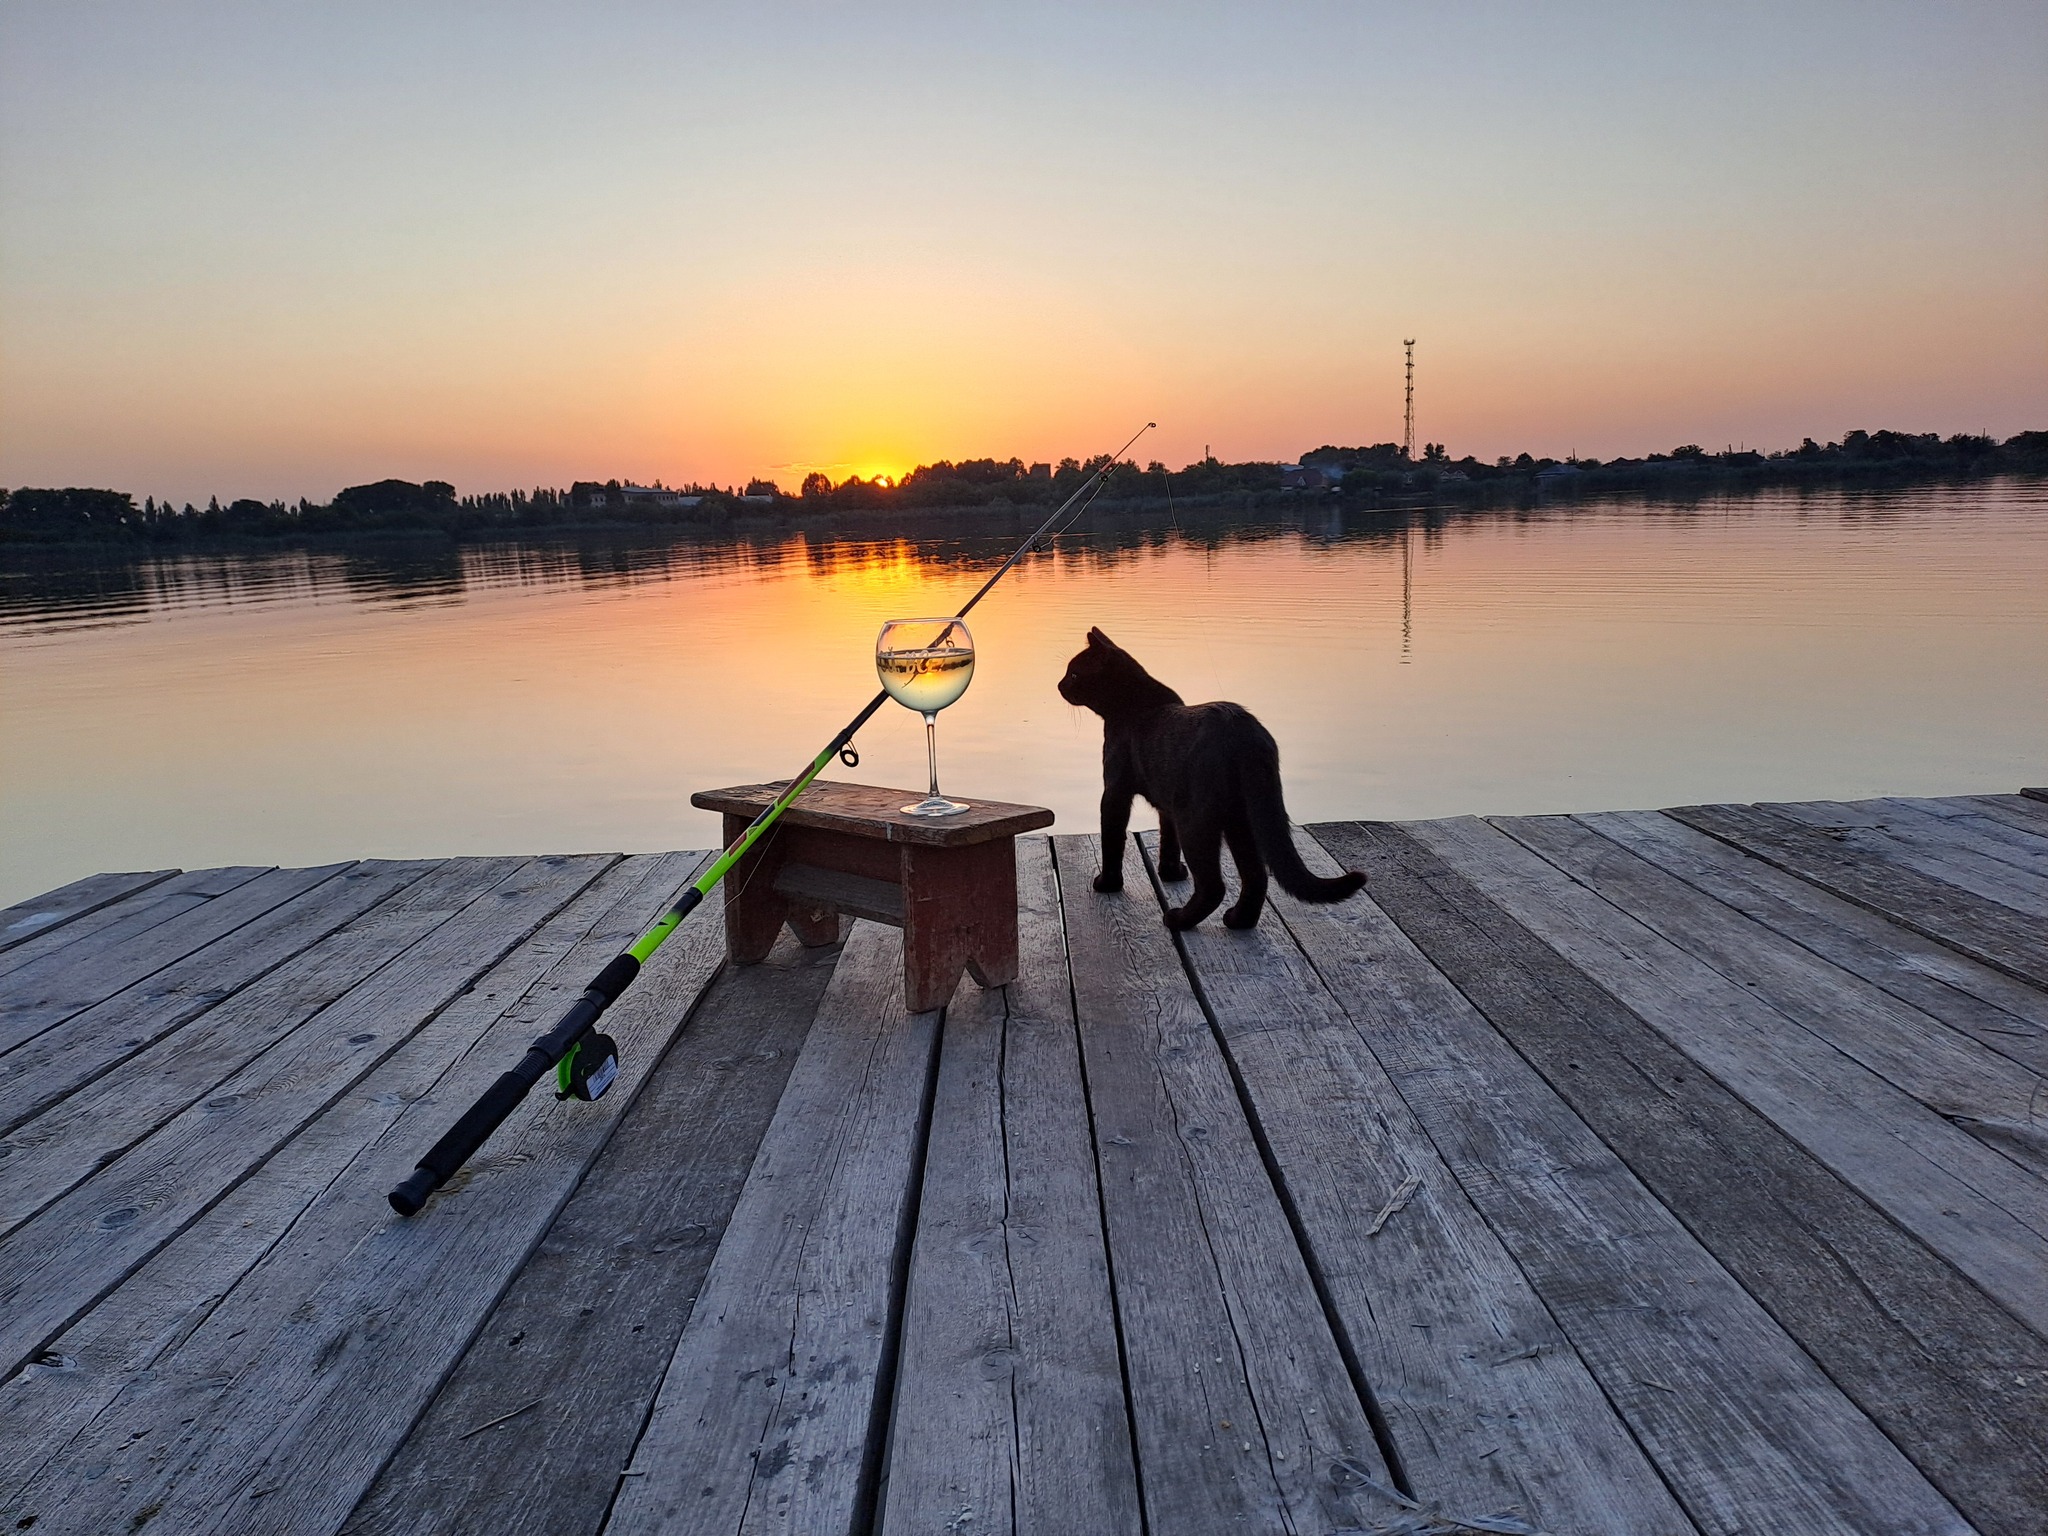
x=356 y=1307
x=1965 y=824
x=587 y=1327
x=43 y=914
x=1987 y=932
x=2014 y=811
x=1490 y=1407
x=1009 y=1411
x=120 y=920
x=86 y=1045
x=1897 y=838
x=1245 y=1413
x=772 y=1407
x=71 y=1253
x=1985 y=1215
x=1990 y=1007
x=114 y=1346
x=72 y=979
x=1957 y=1383
x=1960 y=1080
x=867 y=811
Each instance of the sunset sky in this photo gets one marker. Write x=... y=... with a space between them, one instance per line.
x=271 y=250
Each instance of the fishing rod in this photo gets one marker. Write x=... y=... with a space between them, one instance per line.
x=586 y=1063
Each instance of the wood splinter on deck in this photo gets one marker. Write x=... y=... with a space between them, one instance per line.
x=1393 y=1206
x=503 y=1418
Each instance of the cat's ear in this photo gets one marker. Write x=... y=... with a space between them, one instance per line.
x=1098 y=639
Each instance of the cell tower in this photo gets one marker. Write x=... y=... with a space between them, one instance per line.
x=1408 y=415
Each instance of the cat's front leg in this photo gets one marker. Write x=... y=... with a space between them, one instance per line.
x=1116 y=822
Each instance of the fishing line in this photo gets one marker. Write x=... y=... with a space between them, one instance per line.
x=586 y=1063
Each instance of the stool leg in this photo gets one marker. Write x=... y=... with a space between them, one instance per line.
x=753 y=912
x=959 y=913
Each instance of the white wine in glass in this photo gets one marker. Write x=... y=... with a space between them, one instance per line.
x=926 y=664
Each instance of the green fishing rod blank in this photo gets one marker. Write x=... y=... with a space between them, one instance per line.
x=585 y=1062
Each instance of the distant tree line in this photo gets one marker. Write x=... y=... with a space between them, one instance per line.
x=40 y=515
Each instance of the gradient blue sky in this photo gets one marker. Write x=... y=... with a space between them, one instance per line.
x=274 y=249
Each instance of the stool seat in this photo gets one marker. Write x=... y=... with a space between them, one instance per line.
x=949 y=883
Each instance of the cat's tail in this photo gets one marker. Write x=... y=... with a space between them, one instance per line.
x=1266 y=809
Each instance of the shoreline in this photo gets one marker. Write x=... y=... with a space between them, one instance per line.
x=1409 y=492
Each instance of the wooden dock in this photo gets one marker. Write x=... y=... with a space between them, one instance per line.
x=1635 y=1173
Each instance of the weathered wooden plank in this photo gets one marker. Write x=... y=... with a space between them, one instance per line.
x=87 y=1044
x=1972 y=826
x=70 y=1254
x=1958 y=1384
x=151 y=1313
x=1985 y=1215
x=1984 y=930
x=263 y=1406
x=121 y=920
x=42 y=914
x=1949 y=1073
x=57 y=1142
x=2015 y=811
x=769 y=1415
x=1990 y=1007
x=1009 y=1414
x=74 y=978
x=1896 y=838
x=1245 y=1413
x=1489 y=1406
x=588 y=1325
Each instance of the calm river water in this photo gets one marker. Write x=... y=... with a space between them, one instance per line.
x=424 y=698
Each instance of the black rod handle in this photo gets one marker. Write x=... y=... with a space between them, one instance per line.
x=463 y=1138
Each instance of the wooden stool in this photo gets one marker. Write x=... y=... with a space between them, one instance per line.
x=949 y=883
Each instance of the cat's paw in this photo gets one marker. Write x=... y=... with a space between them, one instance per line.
x=1109 y=884
x=1173 y=873
x=1177 y=919
x=1237 y=917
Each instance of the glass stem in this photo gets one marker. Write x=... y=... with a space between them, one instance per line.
x=931 y=745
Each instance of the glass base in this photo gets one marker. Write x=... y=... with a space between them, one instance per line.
x=936 y=805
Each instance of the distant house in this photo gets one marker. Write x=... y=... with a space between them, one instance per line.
x=612 y=496
x=1310 y=477
x=655 y=496
x=1040 y=472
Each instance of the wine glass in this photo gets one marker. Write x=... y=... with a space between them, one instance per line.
x=925 y=664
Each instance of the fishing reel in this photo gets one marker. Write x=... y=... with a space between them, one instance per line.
x=591 y=1066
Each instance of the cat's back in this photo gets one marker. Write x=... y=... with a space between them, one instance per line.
x=1216 y=729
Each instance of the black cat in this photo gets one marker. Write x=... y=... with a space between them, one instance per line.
x=1212 y=771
